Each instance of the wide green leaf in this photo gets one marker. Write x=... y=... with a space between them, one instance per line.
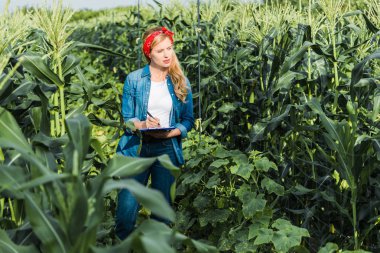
x=150 y=198
x=125 y=166
x=69 y=63
x=79 y=130
x=167 y=163
x=45 y=227
x=264 y=235
x=287 y=235
x=329 y=248
x=10 y=134
x=36 y=65
x=11 y=177
x=272 y=187
x=8 y=246
x=97 y=48
x=340 y=140
x=22 y=90
x=357 y=71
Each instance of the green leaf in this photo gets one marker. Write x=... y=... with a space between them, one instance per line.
x=340 y=139
x=243 y=170
x=22 y=90
x=222 y=153
x=79 y=130
x=264 y=165
x=272 y=187
x=219 y=163
x=51 y=236
x=152 y=245
x=227 y=108
x=37 y=66
x=201 y=202
x=8 y=246
x=259 y=221
x=258 y=131
x=150 y=198
x=376 y=105
x=125 y=166
x=11 y=177
x=214 y=216
x=252 y=203
x=287 y=235
x=69 y=63
x=301 y=190
x=194 y=178
x=164 y=238
x=213 y=181
x=102 y=122
x=356 y=251
x=167 y=163
x=82 y=223
x=357 y=71
x=261 y=128
x=264 y=235
x=97 y=146
x=97 y=48
x=10 y=134
x=285 y=81
x=2 y=158
x=42 y=180
x=329 y=248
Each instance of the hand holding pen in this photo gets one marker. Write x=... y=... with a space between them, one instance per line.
x=151 y=121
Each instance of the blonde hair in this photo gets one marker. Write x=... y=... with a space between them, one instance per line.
x=175 y=70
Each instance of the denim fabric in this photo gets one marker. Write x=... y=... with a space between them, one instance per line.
x=134 y=107
x=161 y=180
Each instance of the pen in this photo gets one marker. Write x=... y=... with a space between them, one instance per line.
x=151 y=116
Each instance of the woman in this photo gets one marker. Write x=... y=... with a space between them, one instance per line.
x=161 y=90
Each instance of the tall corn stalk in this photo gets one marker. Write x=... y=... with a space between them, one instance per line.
x=333 y=10
x=13 y=31
x=54 y=24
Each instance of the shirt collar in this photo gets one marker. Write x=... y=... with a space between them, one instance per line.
x=145 y=71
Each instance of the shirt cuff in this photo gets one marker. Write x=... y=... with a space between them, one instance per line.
x=183 y=130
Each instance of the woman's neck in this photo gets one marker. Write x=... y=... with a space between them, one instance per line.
x=158 y=73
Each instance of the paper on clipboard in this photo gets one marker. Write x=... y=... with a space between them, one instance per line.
x=157 y=129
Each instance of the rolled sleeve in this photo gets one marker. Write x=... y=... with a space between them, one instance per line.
x=127 y=103
x=183 y=130
x=187 y=114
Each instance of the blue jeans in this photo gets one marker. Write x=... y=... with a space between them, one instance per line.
x=161 y=180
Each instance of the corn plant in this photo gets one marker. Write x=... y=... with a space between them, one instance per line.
x=63 y=211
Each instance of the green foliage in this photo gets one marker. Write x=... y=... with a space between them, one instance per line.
x=65 y=210
x=290 y=89
x=229 y=197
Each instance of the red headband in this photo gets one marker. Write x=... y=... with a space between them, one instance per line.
x=150 y=38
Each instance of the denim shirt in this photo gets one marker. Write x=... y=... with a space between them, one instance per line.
x=135 y=105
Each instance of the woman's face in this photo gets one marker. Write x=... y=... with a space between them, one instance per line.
x=162 y=53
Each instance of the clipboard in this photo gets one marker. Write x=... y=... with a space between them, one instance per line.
x=156 y=129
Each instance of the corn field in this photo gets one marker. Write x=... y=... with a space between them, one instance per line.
x=285 y=156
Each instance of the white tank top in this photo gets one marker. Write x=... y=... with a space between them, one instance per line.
x=160 y=102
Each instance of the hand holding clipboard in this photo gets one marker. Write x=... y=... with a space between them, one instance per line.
x=158 y=128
